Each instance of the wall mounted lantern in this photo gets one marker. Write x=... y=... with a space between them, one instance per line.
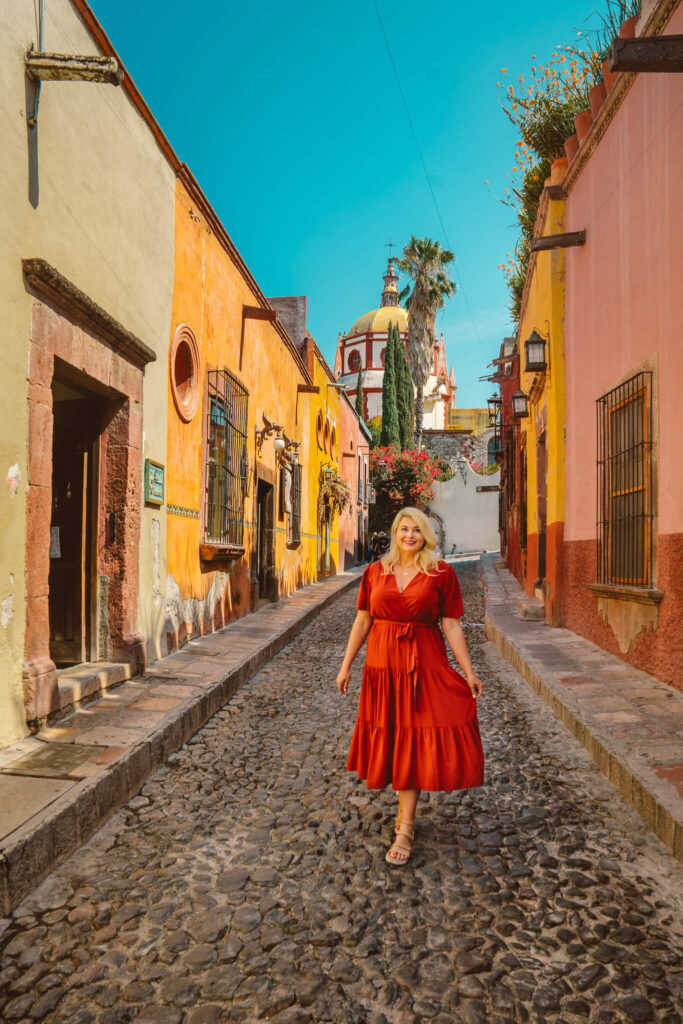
x=493 y=403
x=520 y=407
x=534 y=353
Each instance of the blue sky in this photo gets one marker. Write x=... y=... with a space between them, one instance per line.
x=291 y=120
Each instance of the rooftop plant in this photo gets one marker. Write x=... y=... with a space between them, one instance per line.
x=542 y=106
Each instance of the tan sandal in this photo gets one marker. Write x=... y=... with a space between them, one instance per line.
x=407 y=830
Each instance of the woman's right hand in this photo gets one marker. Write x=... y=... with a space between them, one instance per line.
x=343 y=679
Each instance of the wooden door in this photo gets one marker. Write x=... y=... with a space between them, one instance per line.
x=265 y=561
x=69 y=534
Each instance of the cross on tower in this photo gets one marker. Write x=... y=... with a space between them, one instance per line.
x=390 y=245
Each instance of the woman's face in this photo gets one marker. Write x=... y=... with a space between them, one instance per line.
x=409 y=536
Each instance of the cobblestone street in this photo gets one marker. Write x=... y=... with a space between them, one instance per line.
x=248 y=880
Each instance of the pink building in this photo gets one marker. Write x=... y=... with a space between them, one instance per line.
x=623 y=539
x=354 y=462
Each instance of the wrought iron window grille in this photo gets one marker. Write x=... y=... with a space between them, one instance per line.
x=625 y=499
x=227 y=459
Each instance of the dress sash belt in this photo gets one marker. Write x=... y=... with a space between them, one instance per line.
x=406 y=631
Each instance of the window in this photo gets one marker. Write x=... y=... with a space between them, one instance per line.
x=184 y=367
x=625 y=483
x=226 y=466
x=354 y=360
x=296 y=504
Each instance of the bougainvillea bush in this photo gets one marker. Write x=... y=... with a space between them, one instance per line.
x=401 y=478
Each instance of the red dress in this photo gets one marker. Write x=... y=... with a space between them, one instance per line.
x=417 y=722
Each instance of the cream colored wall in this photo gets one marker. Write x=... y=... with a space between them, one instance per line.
x=103 y=216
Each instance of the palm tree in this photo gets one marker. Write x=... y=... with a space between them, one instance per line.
x=423 y=261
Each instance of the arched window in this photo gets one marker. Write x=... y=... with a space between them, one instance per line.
x=354 y=360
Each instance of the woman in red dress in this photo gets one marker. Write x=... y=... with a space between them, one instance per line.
x=417 y=717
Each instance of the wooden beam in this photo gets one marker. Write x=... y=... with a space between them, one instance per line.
x=555 y=192
x=259 y=313
x=64 y=67
x=648 y=53
x=308 y=389
x=487 y=487
x=557 y=241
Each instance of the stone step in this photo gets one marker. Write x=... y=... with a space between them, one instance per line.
x=530 y=608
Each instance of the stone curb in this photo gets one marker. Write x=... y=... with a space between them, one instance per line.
x=632 y=780
x=37 y=847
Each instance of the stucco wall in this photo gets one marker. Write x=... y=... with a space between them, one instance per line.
x=470 y=517
x=623 y=285
x=354 y=444
x=210 y=292
x=90 y=192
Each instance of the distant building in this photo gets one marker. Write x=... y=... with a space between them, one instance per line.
x=363 y=347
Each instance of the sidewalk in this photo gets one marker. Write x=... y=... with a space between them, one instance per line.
x=59 y=787
x=630 y=723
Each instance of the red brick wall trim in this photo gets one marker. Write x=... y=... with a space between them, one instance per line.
x=46 y=282
x=658 y=649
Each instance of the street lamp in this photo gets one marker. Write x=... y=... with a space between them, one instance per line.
x=493 y=402
x=519 y=405
x=534 y=352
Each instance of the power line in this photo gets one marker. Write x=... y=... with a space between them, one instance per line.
x=426 y=172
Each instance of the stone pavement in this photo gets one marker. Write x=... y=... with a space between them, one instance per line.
x=247 y=881
x=630 y=723
x=59 y=787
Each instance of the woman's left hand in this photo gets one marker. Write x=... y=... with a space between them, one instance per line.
x=476 y=686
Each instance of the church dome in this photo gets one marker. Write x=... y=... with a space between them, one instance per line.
x=378 y=320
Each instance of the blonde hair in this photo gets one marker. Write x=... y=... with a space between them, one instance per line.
x=425 y=559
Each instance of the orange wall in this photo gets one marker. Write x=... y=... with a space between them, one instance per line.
x=209 y=294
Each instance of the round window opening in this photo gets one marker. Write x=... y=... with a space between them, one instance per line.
x=333 y=443
x=319 y=428
x=326 y=439
x=381 y=356
x=185 y=372
x=354 y=360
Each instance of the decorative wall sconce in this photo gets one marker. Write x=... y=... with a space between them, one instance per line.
x=268 y=429
x=520 y=407
x=289 y=452
x=534 y=353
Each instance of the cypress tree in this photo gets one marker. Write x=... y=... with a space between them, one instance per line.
x=359 y=394
x=390 y=432
x=405 y=399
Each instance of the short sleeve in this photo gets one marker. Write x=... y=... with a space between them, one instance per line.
x=363 y=602
x=451 y=599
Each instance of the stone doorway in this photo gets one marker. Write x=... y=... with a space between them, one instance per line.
x=84 y=488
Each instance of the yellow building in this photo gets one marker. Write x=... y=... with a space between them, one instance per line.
x=474 y=420
x=542 y=379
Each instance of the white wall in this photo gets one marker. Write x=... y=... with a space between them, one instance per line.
x=470 y=517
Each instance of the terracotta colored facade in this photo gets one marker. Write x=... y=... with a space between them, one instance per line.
x=607 y=561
